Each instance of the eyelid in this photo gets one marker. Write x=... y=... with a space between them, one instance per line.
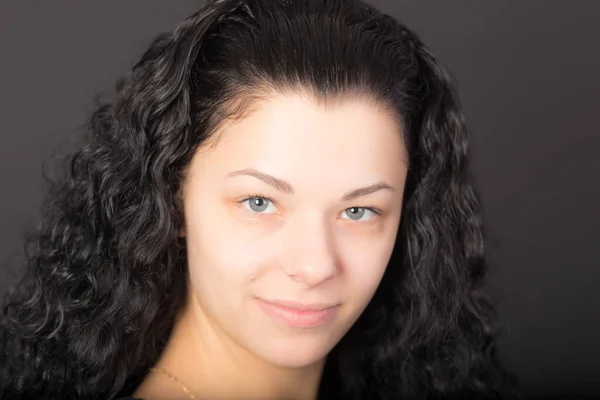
x=378 y=212
x=254 y=196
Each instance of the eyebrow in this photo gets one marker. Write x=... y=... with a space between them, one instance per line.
x=285 y=187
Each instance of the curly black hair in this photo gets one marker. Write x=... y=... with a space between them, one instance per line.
x=106 y=269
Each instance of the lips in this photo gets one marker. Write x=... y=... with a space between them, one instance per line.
x=300 y=306
x=299 y=315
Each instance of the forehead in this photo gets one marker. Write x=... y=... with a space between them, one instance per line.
x=291 y=132
x=288 y=117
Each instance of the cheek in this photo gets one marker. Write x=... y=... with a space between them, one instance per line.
x=218 y=276
x=364 y=276
x=220 y=254
x=365 y=265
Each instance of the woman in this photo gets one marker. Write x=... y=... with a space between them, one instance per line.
x=276 y=204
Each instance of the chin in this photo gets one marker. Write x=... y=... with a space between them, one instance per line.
x=298 y=353
x=295 y=361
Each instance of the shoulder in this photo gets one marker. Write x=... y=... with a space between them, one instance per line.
x=128 y=398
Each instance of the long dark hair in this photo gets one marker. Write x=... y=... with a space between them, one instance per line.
x=106 y=271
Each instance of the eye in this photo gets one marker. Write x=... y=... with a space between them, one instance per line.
x=356 y=213
x=258 y=204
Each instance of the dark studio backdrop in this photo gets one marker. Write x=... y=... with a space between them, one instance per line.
x=529 y=75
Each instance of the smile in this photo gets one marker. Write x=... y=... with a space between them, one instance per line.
x=298 y=315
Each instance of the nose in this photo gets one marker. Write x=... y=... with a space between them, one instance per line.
x=311 y=257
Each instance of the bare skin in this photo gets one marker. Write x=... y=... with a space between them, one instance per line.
x=307 y=240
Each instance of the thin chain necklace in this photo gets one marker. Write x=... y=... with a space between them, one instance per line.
x=177 y=381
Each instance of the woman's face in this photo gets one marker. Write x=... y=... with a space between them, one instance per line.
x=286 y=273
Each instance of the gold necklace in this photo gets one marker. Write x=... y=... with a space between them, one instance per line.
x=177 y=381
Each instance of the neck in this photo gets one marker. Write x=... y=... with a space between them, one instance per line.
x=212 y=365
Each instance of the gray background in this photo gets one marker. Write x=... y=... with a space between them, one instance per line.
x=529 y=81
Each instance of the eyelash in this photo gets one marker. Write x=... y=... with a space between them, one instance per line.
x=374 y=210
